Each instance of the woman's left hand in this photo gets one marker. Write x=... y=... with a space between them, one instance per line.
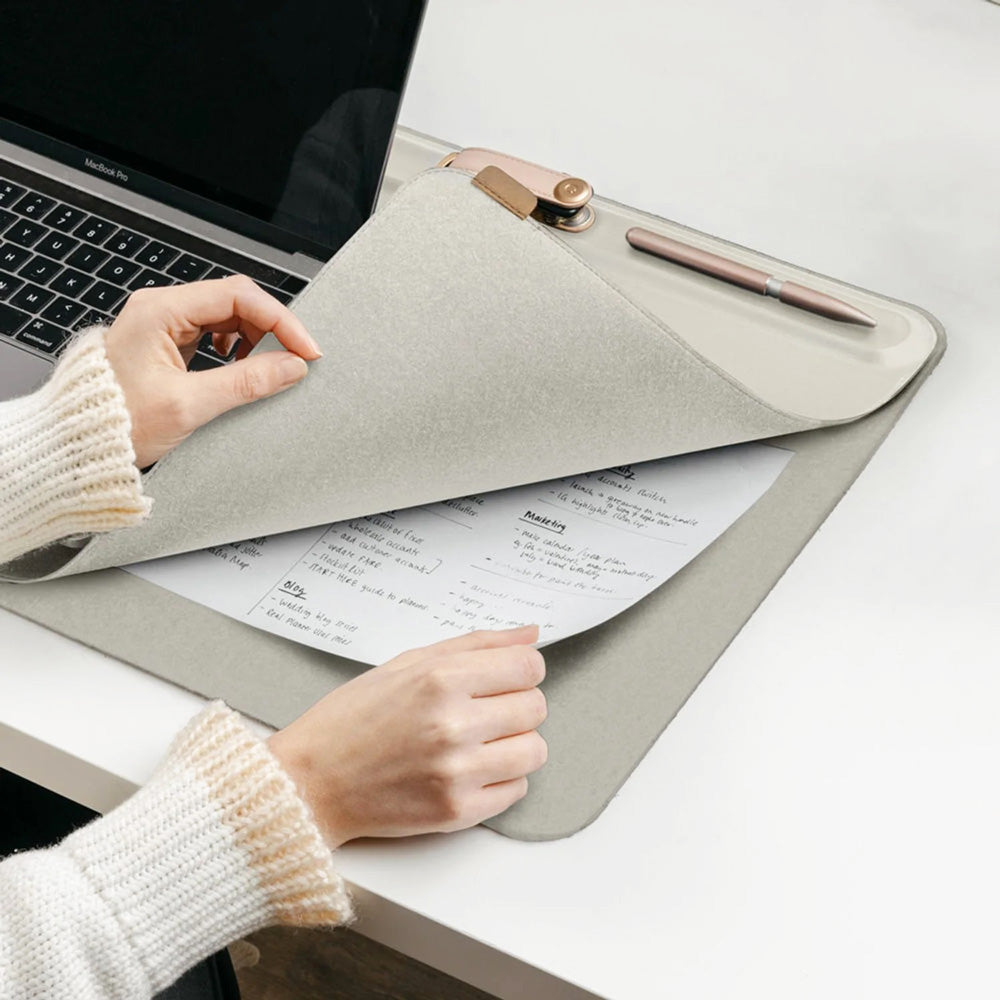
x=151 y=342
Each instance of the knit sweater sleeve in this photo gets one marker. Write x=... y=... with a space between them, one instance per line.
x=66 y=461
x=216 y=845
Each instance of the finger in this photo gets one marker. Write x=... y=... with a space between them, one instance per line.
x=508 y=714
x=206 y=305
x=224 y=343
x=220 y=389
x=246 y=346
x=187 y=351
x=487 y=672
x=511 y=758
x=470 y=641
x=247 y=333
x=494 y=799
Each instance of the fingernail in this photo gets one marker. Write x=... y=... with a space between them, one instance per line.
x=315 y=346
x=291 y=369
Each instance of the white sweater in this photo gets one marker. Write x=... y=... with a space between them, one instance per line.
x=218 y=843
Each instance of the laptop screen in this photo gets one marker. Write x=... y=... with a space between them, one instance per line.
x=271 y=118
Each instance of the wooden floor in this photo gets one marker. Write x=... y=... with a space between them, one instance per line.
x=341 y=965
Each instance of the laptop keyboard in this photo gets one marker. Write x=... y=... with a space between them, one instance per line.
x=69 y=260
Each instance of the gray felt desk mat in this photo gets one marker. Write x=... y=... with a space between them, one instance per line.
x=611 y=691
x=624 y=680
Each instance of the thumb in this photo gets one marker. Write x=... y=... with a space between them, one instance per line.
x=220 y=389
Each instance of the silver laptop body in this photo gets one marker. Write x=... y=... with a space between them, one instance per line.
x=137 y=149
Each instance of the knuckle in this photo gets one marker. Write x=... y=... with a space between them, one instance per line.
x=248 y=384
x=520 y=789
x=447 y=798
x=140 y=301
x=452 y=809
x=438 y=679
x=446 y=732
x=534 y=665
x=538 y=753
x=136 y=300
x=142 y=296
x=539 y=705
x=241 y=284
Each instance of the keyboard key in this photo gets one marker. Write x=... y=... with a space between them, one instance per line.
x=43 y=335
x=11 y=320
x=95 y=230
x=71 y=282
x=126 y=243
x=206 y=348
x=188 y=268
x=92 y=318
x=8 y=285
x=40 y=269
x=118 y=270
x=63 y=311
x=278 y=294
x=202 y=362
x=33 y=206
x=87 y=258
x=12 y=257
x=9 y=193
x=24 y=233
x=156 y=255
x=103 y=296
x=31 y=297
x=65 y=218
x=149 y=279
x=294 y=284
x=56 y=245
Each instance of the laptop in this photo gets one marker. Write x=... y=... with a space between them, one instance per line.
x=177 y=140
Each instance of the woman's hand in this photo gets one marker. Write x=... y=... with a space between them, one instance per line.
x=151 y=342
x=437 y=739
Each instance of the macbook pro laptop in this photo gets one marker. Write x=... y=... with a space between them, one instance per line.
x=148 y=144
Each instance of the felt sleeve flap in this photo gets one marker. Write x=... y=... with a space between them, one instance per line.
x=465 y=350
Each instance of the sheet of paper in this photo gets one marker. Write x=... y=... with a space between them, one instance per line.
x=567 y=554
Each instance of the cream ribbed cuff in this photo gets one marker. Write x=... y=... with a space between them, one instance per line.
x=218 y=844
x=67 y=466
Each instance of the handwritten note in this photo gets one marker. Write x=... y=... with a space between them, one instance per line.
x=567 y=554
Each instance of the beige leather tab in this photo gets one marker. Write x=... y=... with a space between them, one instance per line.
x=558 y=189
x=503 y=188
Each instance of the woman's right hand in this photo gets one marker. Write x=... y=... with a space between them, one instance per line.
x=439 y=738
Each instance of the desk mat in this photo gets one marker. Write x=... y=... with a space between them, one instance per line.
x=611 y=690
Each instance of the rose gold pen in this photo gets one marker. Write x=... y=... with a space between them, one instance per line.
x=746 y=277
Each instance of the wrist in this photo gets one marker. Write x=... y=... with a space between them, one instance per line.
x=314 y=786
x=69 y=454
x=216 y=845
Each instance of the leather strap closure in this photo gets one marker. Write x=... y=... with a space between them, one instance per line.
x=563 y=201
x=508 y=192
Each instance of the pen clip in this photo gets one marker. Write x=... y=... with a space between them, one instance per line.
x=563 y=200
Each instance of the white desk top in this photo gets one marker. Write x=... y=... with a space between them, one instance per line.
x=821 y=819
